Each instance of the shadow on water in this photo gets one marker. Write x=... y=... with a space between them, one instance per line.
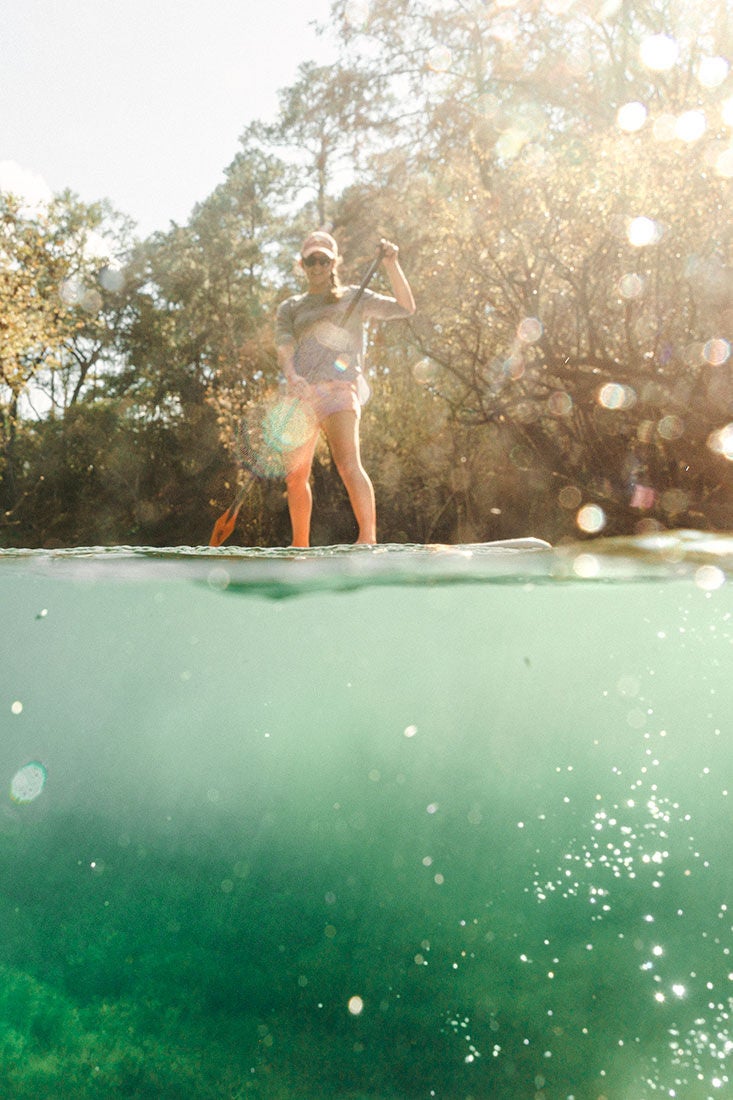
x=447 y=826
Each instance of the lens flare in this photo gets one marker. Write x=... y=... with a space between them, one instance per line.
x=271 y=431
x=28 y=783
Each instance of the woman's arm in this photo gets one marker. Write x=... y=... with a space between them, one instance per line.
x=286 y=361
x=285 y=345
x=397 y=278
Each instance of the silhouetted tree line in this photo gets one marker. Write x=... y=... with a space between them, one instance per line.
x=559 y=181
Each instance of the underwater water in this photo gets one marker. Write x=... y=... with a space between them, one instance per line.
x=402 y=823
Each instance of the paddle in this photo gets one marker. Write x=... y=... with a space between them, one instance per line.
x=225 y=523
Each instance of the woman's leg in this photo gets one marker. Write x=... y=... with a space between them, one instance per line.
x=300 y=497
x=342 y=433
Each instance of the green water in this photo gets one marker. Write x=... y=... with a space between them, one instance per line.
x=367 y=825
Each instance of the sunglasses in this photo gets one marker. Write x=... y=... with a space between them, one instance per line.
x=311 y=261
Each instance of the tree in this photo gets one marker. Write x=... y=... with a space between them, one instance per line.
x=574 y=248
x=56 y=317
x=328 y=120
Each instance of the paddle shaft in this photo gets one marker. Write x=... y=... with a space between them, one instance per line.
x=363 y=285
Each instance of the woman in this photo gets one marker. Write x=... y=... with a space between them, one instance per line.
x=322 y=362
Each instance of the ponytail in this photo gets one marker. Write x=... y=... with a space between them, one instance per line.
x=336 y=292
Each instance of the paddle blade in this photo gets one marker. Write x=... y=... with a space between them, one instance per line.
x=225 y=525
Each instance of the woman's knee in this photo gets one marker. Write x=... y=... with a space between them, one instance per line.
x=351 y=470
x=298 y=478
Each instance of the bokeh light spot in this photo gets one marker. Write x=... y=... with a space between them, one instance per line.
x=614 y=395
x=691 y=125
x=111 y=278
x=643 y=231
x=356 y=1006
x=716 y=352
x=664 y=128
x=591 y=519
x=511 y=143
x=671 y=428
x=28 y=782
x=356 y=12
x=642 y=497
x=586 y=566
x=560 y=403
x=659 y=52
x=630 y=286
x=425 y=372
x=530 y=330
x=439 y=59
x=709 y=578
x=570 y=497
x=726 y=111
x=631 y=117
x=720 y=442
x=712 y=71
x=724 y=164
x=674 y=501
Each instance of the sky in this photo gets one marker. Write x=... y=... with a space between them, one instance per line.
x=142 y=101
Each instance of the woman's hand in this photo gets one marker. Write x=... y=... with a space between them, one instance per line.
x=389 y=251
x=298 y=386
x=395 y=274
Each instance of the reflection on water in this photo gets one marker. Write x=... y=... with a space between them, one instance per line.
x=443 y=823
